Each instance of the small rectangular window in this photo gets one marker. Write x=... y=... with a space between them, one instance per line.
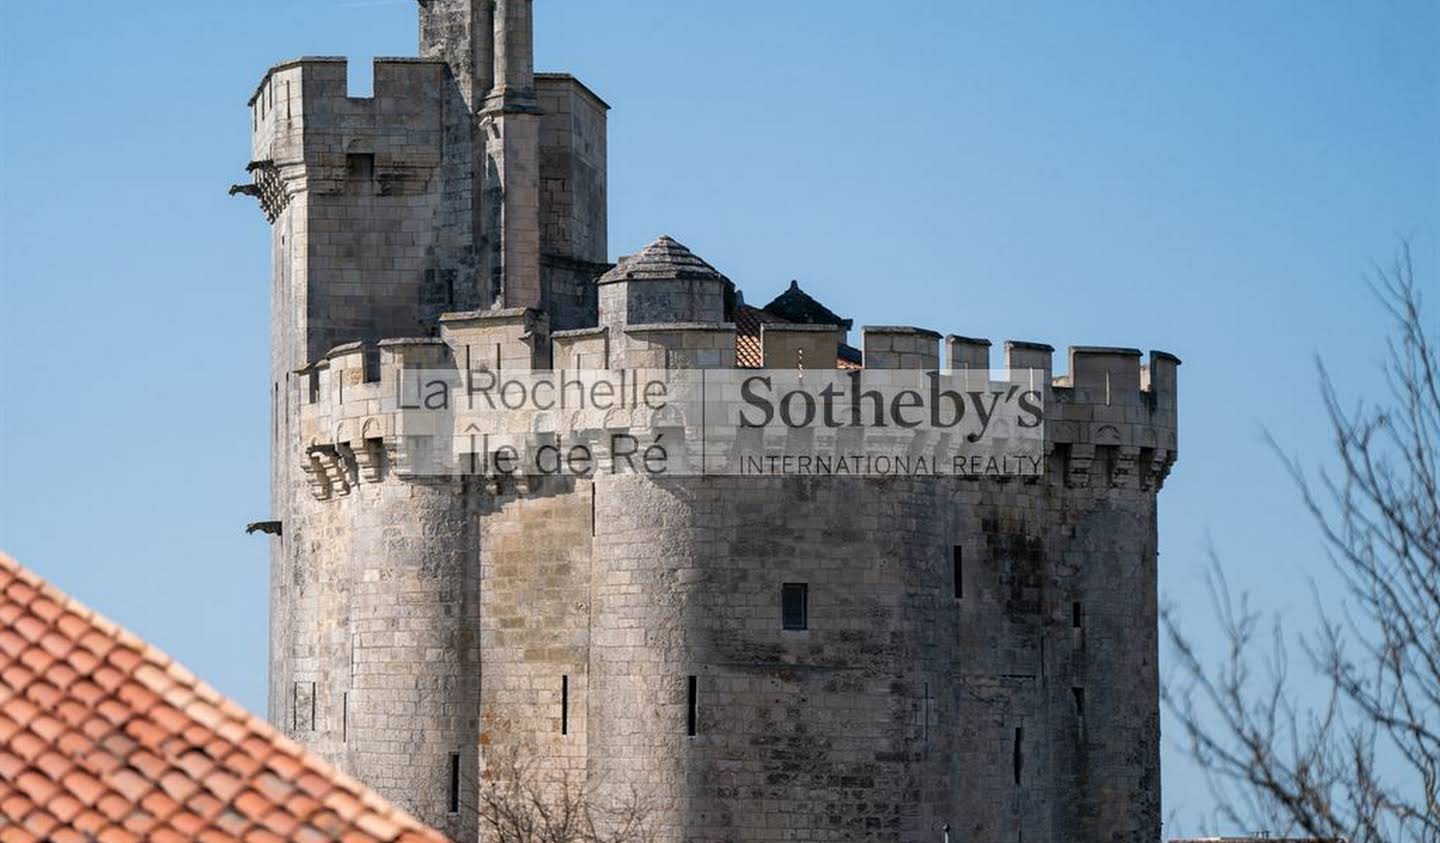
x=957 y=565
x=795 y=606
x=1079 y=701
x=454 y=782
x=359 y=172
x=1077 y=615
x=693 y=717
x=1019 y=759
x=564 y=705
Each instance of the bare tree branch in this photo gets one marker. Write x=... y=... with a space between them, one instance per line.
x=1363 y=763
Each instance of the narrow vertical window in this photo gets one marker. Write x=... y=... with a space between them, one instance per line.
x=957 y=567
x=1019 y=759
x=926 y=722
x=795 y=606
x=1079 y=701
x=693 y=717
x=454 y=782
x=565 y=705
x=1077 y=615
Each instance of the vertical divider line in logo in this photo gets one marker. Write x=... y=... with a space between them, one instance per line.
x=704 y=427
x=469 y=384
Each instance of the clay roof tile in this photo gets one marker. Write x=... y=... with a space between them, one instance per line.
x=107 y=739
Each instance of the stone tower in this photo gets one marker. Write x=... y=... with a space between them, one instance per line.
x=980 y=653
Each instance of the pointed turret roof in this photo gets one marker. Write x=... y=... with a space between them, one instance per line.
x=795 y=305
x=664 y=260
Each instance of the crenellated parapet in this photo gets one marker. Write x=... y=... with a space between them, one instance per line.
x=1113 y=413
x=1109 y=422
x=308 y=133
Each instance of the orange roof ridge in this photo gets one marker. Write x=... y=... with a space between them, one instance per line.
x=98 y=740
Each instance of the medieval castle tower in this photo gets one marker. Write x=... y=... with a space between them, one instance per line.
x=977 y=653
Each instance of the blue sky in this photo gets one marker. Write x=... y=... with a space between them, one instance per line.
x=1209 y=179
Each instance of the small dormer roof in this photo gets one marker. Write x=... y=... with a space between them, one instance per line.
x=664 y=260
x=796 y=305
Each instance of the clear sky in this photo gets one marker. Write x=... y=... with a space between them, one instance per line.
x=1210 y=179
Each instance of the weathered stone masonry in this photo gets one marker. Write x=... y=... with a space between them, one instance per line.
x=977 y=653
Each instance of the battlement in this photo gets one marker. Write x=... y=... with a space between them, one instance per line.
x=1112 y=413
x=789 y=346
x=303 y=116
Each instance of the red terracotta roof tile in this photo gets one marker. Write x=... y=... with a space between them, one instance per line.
x=53 y=765
x=83 y=787
x=114 y=806
x=36 y=659
x=28 y=746
x=29 y=628
x=47 y=728
x=16 y=834
x=11 y=644
x=57 y=645
x=17 y=676
x=21 y=711
x=62 y=675
x=65 y=807
x=40 y=824
x=117 y=835
x=88 y=822
x=104 y=738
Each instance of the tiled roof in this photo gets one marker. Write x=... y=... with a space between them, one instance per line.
x=105 y=739
x=663 y=260
x=749 y=353
x=749 y=350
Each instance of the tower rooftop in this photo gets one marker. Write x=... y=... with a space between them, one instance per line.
x=664 y=260
x=796 y=305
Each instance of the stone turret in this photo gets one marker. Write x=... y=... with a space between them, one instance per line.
x=464 y=191
x=825 y=657
x=663 y=308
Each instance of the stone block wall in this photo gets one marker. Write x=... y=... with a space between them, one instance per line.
x=574 y=196
x=900 y=348
x=535 y=627
x=786 y=346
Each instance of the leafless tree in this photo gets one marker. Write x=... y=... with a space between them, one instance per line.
x=1360 y=759
x=518 y=803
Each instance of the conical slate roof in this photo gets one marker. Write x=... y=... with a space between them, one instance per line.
x=664 y=260
x=796 y=305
